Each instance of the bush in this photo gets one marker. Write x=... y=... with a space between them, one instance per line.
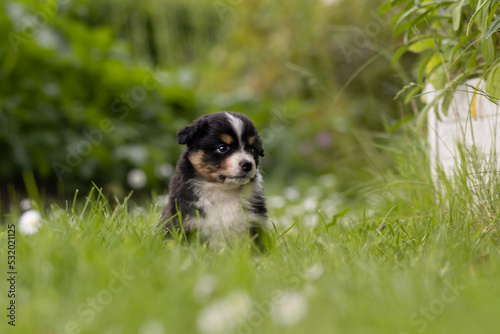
x=81 y=102
x=75 y=107
x=455 y=40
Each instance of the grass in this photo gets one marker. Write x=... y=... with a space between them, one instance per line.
x=405 y=259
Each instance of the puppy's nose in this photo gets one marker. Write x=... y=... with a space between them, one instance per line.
x=246 y=165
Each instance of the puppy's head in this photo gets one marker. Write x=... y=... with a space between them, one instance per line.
x=223 y=147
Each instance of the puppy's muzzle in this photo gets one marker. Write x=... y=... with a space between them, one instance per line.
x=246 y=165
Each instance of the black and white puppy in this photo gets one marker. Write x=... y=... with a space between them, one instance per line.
x=217 y=188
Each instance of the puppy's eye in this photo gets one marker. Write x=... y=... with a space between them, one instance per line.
x=252 y=150
x=222 y=149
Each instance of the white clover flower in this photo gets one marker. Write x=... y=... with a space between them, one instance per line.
x=292 y=193
x=309 y=290
x=240 y=303
x=162 y=200
x=327 y=180
x=444 y=269
x=152 y=327
x=136 y=178
x=29 y=222
x=224 y=315
x=314 y=272
x=276 y=202
x=310 y=204
x=25 y=204
x=164 y=171
x=329 y=2
x=289 y=309
x=205 y=287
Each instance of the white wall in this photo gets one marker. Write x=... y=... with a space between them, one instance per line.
x=446 y=129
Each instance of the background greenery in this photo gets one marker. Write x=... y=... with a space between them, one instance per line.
x=67 y=66
x=362 y=236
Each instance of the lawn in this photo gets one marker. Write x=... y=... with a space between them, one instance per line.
x=363 y=240
x=402 y=259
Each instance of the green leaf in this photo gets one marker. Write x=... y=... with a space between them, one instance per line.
x=399 y=53
x=494 y=27
x=472 y=61
x=422 y=64
x=482 y=18
x=456 y=14
x=438 y=78
x=493 y=83
x=493 y=12
x=422 y=18
x=403 y=17
x=458 y=46
x=335 y=217
x=422 y=45
x=389 y=5
x=432 y=63
x=386 y=7
x=404 y=89
x=488 y=50
x=476 y=13
x=411 y=94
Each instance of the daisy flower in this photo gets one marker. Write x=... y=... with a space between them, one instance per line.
x=289 y=309
x=29 y=222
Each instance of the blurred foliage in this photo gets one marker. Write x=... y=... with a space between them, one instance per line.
x=455 y=41
x=90 y=90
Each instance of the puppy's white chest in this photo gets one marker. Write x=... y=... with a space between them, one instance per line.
x=225 y=211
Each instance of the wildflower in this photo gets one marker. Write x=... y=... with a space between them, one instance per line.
x=289 y=309
x=152 y=327
x=224 y=315
x=276 y=202
x=444 y=269
x=292 y=193
x=329 y=2
x=309 y=290
x=205 y=287
x=25 y=204
x=162 y=200
x=327 y=180
x=324 y=139
x=136 y=178
x=310 y=204
x=164 y=171
x=314 y=272
x=29 y=222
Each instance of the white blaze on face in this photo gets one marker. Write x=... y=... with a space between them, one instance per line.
x=236 y=173
x=237 y=125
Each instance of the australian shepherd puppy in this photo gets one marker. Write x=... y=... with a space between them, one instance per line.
x=217 y=188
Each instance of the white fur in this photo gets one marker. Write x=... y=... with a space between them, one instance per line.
x=235 y=170
x=237 y=125
x=225 y=207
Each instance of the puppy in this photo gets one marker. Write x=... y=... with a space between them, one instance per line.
x=217 y=188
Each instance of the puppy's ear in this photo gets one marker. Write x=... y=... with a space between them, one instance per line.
x=186 y=135
x=258 y=146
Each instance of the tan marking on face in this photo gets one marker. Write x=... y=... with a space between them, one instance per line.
x=227 y=139
x=251 y=140
x=206 y=170
x=225 y=167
